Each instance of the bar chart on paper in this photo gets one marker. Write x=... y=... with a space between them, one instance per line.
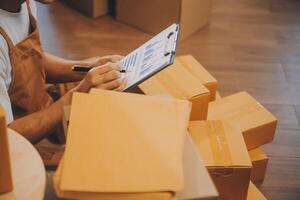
x=151 y=57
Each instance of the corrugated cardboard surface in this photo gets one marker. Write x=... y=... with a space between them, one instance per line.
x=91 y=8
x=259 y=162
x=193 y=66
x=100 y=8
x=178 y=82
x=254 y=193
x=153 y=16
x=194 y=15
x=6 y=184
x=242 y=111
x=225 y=155
x=122 y=132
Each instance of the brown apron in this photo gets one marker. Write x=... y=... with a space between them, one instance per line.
x=27 y=89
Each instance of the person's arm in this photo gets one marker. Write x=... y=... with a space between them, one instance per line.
x=38 y=125
x=59 y=70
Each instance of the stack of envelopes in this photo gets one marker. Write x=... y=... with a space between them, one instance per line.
x=128 y=146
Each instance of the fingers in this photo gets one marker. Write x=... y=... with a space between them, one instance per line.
x=122 y=86
x=106 y=68
x=116 y=58
x=110 y=58
x=117 y=85
x=107 y=76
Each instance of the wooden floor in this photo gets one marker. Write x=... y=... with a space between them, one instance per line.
x=251 y=45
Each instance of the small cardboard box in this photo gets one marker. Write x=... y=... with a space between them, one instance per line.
x=6 y=184
x=259 y=162
x=91 y=8
x=242 y=111
x=153 y=16
x=193 y=66
x=179 y=83
x=225 y=155
x=254 y=193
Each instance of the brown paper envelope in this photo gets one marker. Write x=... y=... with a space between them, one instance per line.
x=104 y=196
x=111 y=135
x=197 y=182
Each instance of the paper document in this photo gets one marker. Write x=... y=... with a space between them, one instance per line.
x=150 y=58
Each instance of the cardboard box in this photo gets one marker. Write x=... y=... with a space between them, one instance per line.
x=152 y=16
x=6 y=184
x=197 y=184
x=225 y=155
x=259 y=162
x=158 y=125
x=242 y=111
x=179 y=83
x=194 y=67
x=91 y=8
x=254 y=193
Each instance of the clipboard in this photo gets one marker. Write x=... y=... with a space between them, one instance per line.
x=152 y=57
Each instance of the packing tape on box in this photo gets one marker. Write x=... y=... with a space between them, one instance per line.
x=171 y=85
x=219 y=144
x=245 y=109
x=183 y=62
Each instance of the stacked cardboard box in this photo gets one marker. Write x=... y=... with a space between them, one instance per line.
x=241 y=110
x=256 y=123
x=225 y=155
x=259 y=162
x=178 y=82
x=238 y=118
x=91 y=8
x=197 y=70
x=153 y=15
x=227 y=132
x=185 y=79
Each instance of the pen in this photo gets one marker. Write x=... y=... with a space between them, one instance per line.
x=77 y=68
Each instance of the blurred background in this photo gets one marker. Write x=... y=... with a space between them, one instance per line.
x=251 y=45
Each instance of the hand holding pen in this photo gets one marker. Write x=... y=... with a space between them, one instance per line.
x=107 y=76
x=78 y=68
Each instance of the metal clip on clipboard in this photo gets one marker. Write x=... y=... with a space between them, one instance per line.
x=170 y=48
x=162 y=56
